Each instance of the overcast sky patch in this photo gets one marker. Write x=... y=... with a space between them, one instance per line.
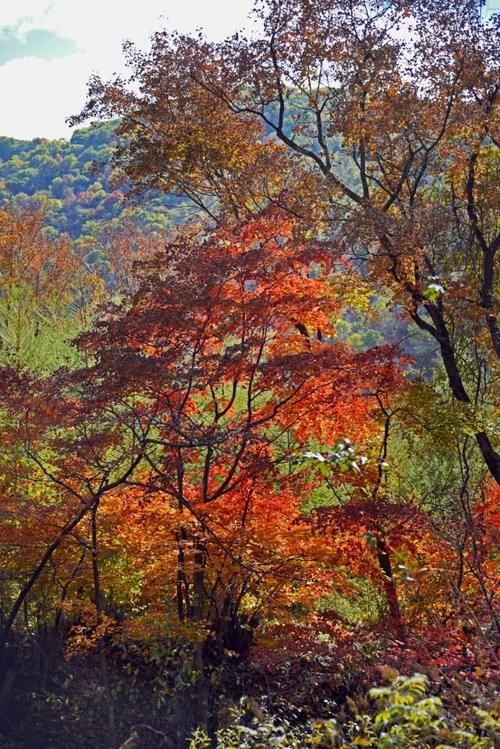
x=34 y=43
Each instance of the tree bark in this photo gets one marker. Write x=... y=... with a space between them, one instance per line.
x=391 y=592
x=101 y=648
x=440 y=332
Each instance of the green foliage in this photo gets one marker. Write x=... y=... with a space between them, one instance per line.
x=364 y=607
x=433 y=292
x=382 y=322
x=407 y=718
x=410 y=718
x=74 y=181
x=265 y=731
x=33 y=336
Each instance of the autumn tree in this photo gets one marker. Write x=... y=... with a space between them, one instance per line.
x=175 y=447
x=374 y=122
x=47 y=293
x=228 y=341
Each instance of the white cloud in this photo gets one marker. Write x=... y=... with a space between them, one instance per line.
x=11 y=13
x=37 y=95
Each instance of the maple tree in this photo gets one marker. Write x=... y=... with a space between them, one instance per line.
x=199 y=394
x=212 y=354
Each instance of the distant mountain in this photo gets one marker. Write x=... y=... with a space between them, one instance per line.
x=73 y=180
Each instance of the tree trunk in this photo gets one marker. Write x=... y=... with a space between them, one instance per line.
x=440 y=332
x=391 y=592
x=110 y=707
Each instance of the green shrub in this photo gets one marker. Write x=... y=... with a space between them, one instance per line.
x=407 y=717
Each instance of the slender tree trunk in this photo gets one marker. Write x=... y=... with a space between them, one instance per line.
x=440 y=332
x=101 y=647
x=192 y=704
x=391 y=592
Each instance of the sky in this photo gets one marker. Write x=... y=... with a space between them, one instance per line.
x=49 y=48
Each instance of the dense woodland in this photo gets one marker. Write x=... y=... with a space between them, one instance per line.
x=74 y=182
x=249 y=467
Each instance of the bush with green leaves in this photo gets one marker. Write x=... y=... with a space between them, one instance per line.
x=410 y=718
x=407 y=717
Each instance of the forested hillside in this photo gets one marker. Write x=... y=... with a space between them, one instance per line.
x=249 y=443
x=73 y=181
